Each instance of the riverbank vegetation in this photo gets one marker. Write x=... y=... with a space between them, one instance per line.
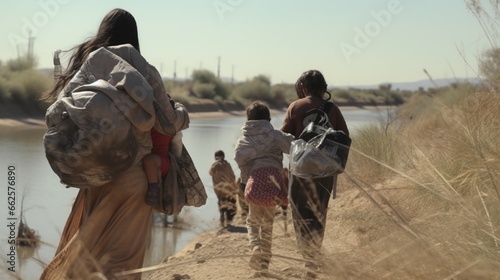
x=431 y=182
x=21 y=86
x=432 y=178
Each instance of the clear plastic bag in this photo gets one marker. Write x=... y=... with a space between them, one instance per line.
x=320 y=156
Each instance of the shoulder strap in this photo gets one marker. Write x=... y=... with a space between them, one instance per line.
x=325 y=107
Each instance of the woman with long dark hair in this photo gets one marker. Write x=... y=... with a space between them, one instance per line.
x=107 y=230
x=118 y=27
x=310 y=197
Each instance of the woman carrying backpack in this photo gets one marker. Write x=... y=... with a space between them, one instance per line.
x=309 y=198
x=107 y=230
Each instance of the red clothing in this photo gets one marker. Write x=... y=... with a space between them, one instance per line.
x=266 y=187
x=161 y=143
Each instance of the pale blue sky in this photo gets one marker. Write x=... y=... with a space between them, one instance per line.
x=352 y=43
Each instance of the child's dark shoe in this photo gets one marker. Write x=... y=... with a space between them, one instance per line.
x=153 y=195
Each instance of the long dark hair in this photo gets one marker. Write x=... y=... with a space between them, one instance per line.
x=314 y=83
x=117 y=27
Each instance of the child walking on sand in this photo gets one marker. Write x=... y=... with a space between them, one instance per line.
x=259 y=154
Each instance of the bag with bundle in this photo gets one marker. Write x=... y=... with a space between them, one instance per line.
x=320 y=151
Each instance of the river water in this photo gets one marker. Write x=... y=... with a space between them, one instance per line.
x=46 y=203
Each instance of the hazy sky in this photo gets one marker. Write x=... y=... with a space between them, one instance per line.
x=351 y=42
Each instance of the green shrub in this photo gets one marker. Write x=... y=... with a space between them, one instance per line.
x=263 y=79
x=283 y=94
x=222 y=90
x=220 y=102
x=4 y=91
x=204 y=90
x=394 y=98
x=207 y=77
x=204 y=76
x=254 y=90
x=21 y=64
x=22 y=84
x=16 y=93
x=238 y=100
x=343 y=94
x=35 y=84
x=27 y=86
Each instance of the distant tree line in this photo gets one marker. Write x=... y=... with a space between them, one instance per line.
x=22 y=83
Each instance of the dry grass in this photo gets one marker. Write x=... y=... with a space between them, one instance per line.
x=437 y=189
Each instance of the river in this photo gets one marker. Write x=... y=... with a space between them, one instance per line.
x=46 y=203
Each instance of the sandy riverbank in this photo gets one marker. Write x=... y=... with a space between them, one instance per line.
x=225 y=254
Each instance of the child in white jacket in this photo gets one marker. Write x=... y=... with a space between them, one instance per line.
x=259 y=154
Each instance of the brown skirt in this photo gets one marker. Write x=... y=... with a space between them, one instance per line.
x=106 y=231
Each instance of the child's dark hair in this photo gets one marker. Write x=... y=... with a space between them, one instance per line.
x=258 y=111
x=220 y=154
x=314 y=82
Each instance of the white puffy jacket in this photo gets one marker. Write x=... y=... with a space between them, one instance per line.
x=260 y=146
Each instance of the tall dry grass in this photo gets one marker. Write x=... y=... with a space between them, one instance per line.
x=433 y=180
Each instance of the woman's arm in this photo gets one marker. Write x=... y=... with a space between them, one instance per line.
x=288 y=125
x=284 y=141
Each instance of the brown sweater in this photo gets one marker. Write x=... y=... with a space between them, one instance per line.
x=223 y=179
x=295 y=113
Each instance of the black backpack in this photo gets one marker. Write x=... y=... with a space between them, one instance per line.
x=323 y=151
x=316 y=121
